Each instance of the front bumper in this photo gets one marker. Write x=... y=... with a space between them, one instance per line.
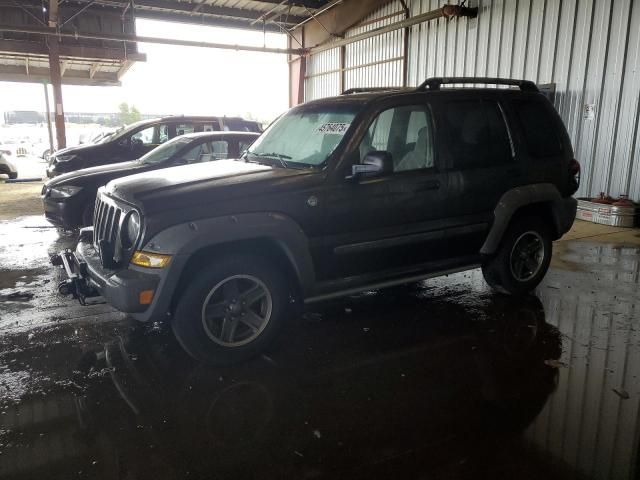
x=63 y=214
x=86 y=277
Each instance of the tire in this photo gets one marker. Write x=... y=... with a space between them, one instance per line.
x=46 y=154
x=507 y=273
x=213 y=286
x=13 y=175
x=87 y=214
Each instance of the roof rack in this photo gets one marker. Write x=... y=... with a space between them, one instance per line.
x=350 y=91
x=434 y=83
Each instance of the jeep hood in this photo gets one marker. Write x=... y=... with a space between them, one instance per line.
x=198 y=184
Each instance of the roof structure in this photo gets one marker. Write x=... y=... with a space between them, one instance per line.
x=24 y=55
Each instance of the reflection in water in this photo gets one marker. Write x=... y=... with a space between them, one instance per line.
x=443 y=388
x=591 y=421
x=438 y=380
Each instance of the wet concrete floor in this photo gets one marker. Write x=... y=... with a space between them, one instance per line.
x=439 y=380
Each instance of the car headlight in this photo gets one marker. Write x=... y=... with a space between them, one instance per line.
x=130 y=229
x=150 y=260
x=65 y=158
x=64 y=191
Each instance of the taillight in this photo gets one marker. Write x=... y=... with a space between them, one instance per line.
x=574 y=172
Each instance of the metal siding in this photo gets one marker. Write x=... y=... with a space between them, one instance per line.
x=323 y=76
x=376 y=61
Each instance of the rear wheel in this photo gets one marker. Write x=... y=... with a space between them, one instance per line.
x=231 y=310
x=523 y=258
x=13 y=175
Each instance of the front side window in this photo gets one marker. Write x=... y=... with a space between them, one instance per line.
x=305 y=136
x=477 y=134
x=406 y=133
x=144 y=137
x=244 y=145
x=219 y=149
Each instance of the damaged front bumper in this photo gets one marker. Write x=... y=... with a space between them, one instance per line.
x=87 y=279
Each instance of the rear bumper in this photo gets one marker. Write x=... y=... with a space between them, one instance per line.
x=121 y=289
x=564 y=212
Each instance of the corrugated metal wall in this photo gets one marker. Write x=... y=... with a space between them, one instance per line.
x=377 y=61
x=590 y=49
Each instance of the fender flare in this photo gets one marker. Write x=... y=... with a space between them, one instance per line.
x=185 y=239
x=562 y=211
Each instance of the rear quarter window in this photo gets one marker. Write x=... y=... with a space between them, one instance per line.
x=538 y=127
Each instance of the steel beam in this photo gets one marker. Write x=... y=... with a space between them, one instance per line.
x=433 y=14
x=56 y=77
x=49 y=32
x=169 y=9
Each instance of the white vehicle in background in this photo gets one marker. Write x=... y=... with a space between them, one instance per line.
x=41 y=150
x=15 y=148
x=6 y=166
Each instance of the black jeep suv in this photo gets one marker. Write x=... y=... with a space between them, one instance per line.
x=339 y=195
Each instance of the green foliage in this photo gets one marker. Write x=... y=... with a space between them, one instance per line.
x=128 y=114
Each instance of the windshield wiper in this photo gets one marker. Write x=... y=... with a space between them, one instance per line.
x=278 y=156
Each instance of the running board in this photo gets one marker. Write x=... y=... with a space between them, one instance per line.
x=390 y=283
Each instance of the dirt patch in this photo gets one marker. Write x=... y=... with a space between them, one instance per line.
x=19 y=199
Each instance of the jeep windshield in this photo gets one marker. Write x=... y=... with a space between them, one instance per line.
x=304 y=137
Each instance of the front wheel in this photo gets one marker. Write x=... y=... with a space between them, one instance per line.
x=13 y=175
x=523 y=258
x=231 y=310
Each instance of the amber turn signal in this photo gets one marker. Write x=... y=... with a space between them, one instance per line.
x=150 y=260
x=145 y=297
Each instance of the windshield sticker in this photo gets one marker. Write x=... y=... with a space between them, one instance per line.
x=334 y=128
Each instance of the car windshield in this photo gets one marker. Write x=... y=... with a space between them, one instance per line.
x=122 y=131
x=304 y=136
x=165 y=151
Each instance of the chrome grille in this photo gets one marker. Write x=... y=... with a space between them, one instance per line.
x=106 y=226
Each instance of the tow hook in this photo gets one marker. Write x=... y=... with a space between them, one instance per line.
x=66 y=287
x=56 y=260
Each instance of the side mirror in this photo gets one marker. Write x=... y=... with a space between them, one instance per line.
x=374 y=164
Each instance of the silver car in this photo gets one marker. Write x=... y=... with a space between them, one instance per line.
x=6 y=166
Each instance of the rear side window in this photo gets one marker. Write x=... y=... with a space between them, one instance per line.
x=538 y=128
x=237 y=125
x=477 y=134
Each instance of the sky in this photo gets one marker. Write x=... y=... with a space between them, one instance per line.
x=182 y=80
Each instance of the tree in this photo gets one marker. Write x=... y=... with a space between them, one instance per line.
x=128 y=114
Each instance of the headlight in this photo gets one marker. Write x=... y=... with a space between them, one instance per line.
x=65 y=158
x=64 y=191
x=130 y=229
x=150 y=260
